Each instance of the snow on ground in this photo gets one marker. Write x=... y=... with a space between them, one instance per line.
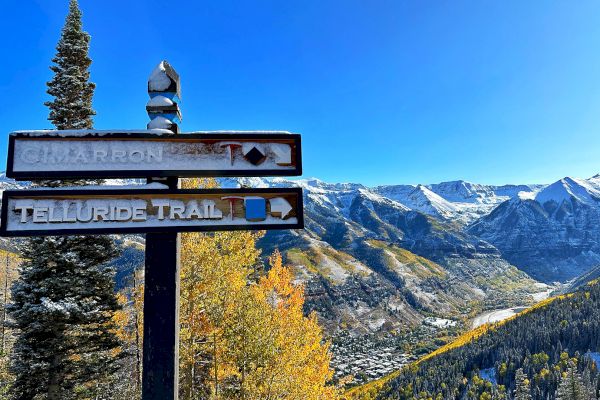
x=500 y=315
x=542 y=295
x=496 y=316
x=376 y=324
x=439 y=322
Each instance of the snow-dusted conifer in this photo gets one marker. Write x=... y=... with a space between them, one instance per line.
x=571 y=386
x=522 y=389
x=64 y=299
x=71 y=107
x=62 y=305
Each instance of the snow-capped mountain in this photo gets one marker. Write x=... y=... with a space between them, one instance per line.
x=553 y=234
x=421 y=198
x=570 y=189
x=457 y=201
x=550 y=231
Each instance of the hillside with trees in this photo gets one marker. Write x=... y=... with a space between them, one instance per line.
x=549 y=351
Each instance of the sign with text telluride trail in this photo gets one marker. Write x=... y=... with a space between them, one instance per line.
x=159 y=209
x=56 y=212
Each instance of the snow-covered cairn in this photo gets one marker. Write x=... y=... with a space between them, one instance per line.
x=165 y=92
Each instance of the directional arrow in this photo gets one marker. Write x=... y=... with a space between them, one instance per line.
x=280 y=205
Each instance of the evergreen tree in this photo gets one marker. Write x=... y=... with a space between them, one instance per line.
x=64 y=299
x=62 y=305
x=588 y=382
x=571 y=386
x=522 y=389
x=71 y=107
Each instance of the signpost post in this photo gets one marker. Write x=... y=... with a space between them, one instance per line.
x=159 y=209
x=160 y=362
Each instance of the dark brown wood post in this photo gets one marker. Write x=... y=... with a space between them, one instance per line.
x=160 y=376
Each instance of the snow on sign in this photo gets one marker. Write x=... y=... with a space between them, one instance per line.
x=86 y=211
x=151 y=153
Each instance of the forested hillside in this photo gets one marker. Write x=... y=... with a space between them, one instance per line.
x=555 y=344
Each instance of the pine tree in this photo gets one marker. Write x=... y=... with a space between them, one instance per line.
x=589 y=383
x=71 y=107
x=571 y=386
x=62 y=306
x=522 y=389
x=64 y=299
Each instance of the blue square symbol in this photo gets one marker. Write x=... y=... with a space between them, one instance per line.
x=256 y=209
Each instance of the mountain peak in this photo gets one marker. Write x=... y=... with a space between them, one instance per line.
x=567 y=189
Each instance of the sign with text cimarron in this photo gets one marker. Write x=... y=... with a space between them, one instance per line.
x=140 y=154
x=107 y=211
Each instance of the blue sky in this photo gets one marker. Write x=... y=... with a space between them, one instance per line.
x=382 y=91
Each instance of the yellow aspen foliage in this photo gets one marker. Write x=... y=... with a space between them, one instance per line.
x=298 y=366
x=241 y=339
x=129 y=323
x=9 y=264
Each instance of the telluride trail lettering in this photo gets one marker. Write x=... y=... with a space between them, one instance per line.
x=44 y=211
x=148 y=210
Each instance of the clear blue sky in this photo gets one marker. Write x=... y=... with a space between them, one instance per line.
x=382 y=91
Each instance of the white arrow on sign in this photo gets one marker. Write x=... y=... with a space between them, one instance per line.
x=280 y=205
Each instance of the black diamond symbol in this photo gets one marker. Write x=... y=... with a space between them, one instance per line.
x=255 y=156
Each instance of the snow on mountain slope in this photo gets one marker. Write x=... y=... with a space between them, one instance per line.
x=457 y=201
x=568 y=189
x=421 y=198
x=552 y=235
x=474 y=193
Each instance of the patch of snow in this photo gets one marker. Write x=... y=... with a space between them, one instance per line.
x=159 y=81
x=542 y=295
x=160 y=122
x=439 y=322
x=376 y=324
x=91 y=132
x=496 y=316
x=160 y=101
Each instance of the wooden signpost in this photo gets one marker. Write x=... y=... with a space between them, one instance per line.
x=159 y=209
